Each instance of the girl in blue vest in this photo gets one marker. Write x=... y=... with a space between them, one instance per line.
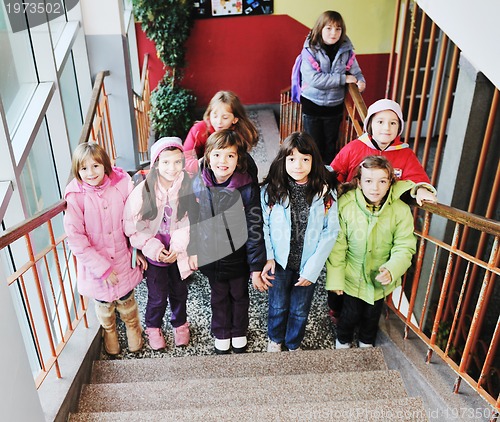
x=300 y=227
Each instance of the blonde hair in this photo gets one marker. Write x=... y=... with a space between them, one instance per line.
x=83 y=152
x=244 y=125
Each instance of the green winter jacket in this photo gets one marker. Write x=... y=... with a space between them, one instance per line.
x=369 y=240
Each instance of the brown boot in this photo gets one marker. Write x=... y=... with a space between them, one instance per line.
x=107 y=317
x=129 y=313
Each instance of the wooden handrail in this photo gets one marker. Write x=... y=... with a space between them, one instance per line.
x=94 y=101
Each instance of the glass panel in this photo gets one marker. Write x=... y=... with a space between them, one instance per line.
x=57 y=20
x=18 y=77
x=71 y=102
x=39 y=183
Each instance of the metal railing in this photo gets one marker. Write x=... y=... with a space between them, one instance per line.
x=352 y=123
x=142 y=108
x=43 y=270
x=45 y=278
x=97 y=127
x=446 y=301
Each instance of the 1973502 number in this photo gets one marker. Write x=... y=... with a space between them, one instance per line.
x=33 y=8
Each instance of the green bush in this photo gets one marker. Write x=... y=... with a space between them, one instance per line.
x=168 y=23
x=172 y=108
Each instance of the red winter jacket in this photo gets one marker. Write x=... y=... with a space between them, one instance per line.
x=194 y=145
x=403 y=159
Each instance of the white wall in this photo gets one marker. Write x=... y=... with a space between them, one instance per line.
x=474 y=27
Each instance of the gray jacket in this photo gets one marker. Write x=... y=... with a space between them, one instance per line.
x=327 y=87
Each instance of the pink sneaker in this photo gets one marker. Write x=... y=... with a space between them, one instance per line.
x=181 y=335
x=156 y=339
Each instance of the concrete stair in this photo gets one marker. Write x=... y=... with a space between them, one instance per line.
x=329 y=385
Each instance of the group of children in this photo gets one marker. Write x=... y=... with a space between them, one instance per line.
x=201 y=208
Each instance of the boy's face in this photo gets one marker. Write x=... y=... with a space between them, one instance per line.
x=223 y=162
x=91 y=172
x=385 y=127
x=169 y=165
x=221 y=117
x=374 y=183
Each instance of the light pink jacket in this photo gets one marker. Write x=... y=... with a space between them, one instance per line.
x=142 y=232
x=94 y=225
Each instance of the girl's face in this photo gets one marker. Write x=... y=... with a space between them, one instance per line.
x=374 y=183
x=222 y=117
x=223 y=162
x=385 y=127
x=331 y=33
x=169 y=166
x=91 y=172
x=298 y=166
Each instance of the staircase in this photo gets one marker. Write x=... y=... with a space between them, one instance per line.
x=320 y=385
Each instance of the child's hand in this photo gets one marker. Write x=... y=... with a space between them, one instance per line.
x=303 y=282
x=424 y=194
x=338 y=292
x=350 y=79
x=193 y=262
x=361 y=85
x=258 y=282
x=141 y=261
x=112 y=279
x=172 y=257
x=384 y=276
x=268 y=272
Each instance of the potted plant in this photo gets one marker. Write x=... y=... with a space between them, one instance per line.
x=168 y=23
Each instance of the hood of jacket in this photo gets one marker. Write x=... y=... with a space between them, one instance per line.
x=396 y=145
x=345 y=46
x=113 y=179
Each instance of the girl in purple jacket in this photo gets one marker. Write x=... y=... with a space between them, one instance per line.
x=93 y=223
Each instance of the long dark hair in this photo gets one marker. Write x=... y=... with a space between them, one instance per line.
x=278 y=181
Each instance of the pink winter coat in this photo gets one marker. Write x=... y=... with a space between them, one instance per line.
x=142 y=232
x=94 y=225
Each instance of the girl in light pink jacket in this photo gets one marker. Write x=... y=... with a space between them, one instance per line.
x=93 y=223
x=155 y=225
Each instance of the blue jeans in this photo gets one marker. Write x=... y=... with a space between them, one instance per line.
x=289 y=307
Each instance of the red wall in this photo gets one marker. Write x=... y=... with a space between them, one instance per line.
x=251 y=56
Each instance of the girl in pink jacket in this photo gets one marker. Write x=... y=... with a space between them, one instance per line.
x=93 y=223
x=155 y=225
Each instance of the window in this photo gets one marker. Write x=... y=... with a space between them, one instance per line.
x=18 y=78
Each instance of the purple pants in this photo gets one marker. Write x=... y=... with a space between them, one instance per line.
x=230 y=302
x=165 y=283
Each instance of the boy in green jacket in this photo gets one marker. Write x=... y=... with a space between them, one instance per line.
x=373 y=250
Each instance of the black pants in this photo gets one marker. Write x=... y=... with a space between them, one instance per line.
x=325 y=131
x=356 y=312
x=335 y=303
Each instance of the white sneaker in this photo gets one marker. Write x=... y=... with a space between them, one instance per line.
x=294 y=350
x=273 y=347
x=222 y=346
x=361 y=344
x=339 y=345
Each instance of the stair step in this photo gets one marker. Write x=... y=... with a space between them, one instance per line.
x=263 y=390
x=403 y=409
x=242 y=365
